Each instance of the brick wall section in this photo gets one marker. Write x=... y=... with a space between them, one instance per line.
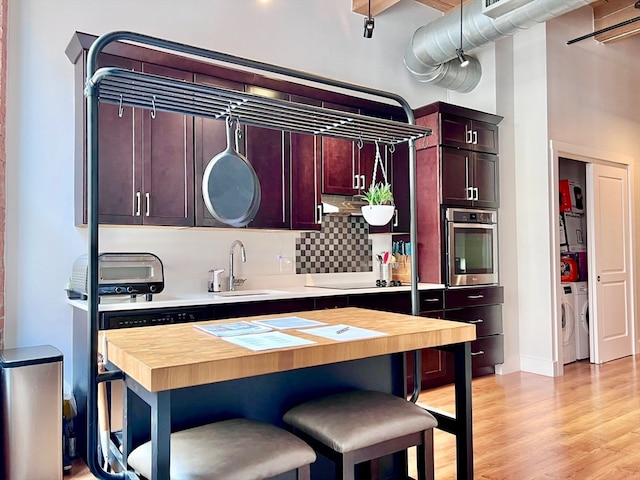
x=3 y=150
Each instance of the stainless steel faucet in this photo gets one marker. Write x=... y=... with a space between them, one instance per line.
x=233 y=282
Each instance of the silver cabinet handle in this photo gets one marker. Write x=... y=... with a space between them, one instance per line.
x=137 y=214
x=356 y=182
x=148 y=209
x=431 y=300
x=475 y=193
x=475 y=297
x=481 y=352
x=469 y=195
x=468 y=135
x=395 y=214
x=364 y=182
x=479 y=320
x=475 y=137
x=319 y=214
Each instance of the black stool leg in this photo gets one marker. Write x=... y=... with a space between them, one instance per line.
x=424 y=456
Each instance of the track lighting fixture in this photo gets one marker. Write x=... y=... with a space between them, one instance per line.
x=459 y=51
x=464 y=61
x=369 y=24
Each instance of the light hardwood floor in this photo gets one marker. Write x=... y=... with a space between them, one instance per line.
x=583 y=425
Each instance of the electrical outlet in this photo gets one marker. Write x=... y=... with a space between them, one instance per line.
x=286 y=264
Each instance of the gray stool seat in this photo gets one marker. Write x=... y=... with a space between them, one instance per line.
x=232 y=449
x=358 y=426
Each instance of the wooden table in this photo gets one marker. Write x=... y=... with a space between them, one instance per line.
x=161 y=359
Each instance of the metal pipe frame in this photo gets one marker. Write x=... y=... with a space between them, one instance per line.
x=92 y=94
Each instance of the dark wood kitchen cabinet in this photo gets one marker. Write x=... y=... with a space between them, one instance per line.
x=170 y=188
x=340 y=162
x=451 y=172
x=469 y=178
x=481 y=307
x=306 y=171
x=468 y=133
x=268 y=152
x=210 y=139
x=146 y=158
x=167 y=161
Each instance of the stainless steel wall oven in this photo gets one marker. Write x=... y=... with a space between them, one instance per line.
x=471 y=247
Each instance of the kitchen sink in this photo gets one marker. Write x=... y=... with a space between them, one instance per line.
x=246 y=293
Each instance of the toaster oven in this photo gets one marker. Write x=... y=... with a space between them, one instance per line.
x=120 y=274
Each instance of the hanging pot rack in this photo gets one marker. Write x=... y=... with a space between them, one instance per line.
x=142 y=90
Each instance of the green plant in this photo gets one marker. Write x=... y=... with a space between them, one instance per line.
x=379 y=194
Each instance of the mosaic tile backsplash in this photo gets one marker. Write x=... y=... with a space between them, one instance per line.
x=343 y=245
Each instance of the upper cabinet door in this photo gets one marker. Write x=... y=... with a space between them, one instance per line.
x=210 y=140
x=469 y=134
x=340 y=173
x=456 y=176
x=306 y=157
x=167 y=161
x=268 y=153
x=485 y=180
x=119 y=157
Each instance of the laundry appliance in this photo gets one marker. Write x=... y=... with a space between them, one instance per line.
x=568 y=316
x=580 y=292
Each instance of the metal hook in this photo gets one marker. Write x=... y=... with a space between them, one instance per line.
x=153 y=105
x=360 y=143
x=392 y=148
x=120 y=108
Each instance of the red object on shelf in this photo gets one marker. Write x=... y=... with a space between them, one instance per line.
x=568 y=270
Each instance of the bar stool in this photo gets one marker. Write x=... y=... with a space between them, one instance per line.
x=237 y=449
x=360 y=426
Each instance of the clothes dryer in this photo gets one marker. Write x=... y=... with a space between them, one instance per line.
x=568 y=316
x=581 y=307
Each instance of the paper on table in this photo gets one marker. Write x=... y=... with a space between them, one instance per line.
x=268 y=341
x=284 y=323
x=343 y=332
x=232 y=329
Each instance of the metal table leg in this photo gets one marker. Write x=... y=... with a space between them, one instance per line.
x=460 y=425
x=160 y=403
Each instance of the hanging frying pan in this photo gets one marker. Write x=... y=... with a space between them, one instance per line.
x=230 y=186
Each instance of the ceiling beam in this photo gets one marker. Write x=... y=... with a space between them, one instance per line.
x=377 y=6
x=607 y=13
x=444 y=6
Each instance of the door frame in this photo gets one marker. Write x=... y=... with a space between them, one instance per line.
x=586 y=155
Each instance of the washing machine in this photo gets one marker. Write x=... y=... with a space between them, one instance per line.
x=581 y=308
x=568 y=316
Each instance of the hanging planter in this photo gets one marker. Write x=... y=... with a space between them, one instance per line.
x=381 y=208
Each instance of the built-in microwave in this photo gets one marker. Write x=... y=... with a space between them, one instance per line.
x=471 y=247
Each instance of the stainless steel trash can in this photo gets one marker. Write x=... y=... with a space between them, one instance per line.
x=31 y=413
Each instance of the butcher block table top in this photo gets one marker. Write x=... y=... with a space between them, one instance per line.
x=174 y=356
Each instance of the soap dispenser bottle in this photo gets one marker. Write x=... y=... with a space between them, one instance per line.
x=214 y=279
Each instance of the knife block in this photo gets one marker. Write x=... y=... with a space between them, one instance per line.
x=401 y=271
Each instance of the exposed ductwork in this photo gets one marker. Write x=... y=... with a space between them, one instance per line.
x=431 y=55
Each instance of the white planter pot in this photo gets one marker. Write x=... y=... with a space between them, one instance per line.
x=378 y=214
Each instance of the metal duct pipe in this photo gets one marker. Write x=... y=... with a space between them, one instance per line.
x=431 y=55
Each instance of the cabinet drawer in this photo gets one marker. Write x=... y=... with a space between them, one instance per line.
x=468 y=297
x=431 y=300
x=487 y=351
x=486 y=318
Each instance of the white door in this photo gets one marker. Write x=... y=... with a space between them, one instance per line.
x=609 y=262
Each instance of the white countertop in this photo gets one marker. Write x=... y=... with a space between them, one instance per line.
x=162 y=300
